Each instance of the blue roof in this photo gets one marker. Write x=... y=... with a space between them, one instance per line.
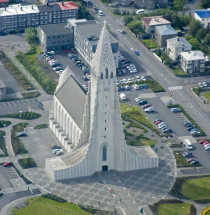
x=203 y=13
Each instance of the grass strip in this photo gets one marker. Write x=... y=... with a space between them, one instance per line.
x=3 y=144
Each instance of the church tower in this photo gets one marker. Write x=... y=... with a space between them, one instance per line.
x=106 y=132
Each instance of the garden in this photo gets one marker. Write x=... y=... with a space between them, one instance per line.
x=3 y=144
x=26 y=163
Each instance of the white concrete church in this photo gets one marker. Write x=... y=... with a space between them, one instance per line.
x=89 y=124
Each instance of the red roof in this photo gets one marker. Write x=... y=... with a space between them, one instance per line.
x=4 y=1
x=70 y=5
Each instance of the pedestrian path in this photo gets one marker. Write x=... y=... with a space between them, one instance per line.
x=19 y=102
x=175 y=88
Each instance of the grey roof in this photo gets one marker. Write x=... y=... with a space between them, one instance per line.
x=55 y=29
x=72 y=96
x=92 y=28
x=48 y=8
x=179 y=42
x=165 y=30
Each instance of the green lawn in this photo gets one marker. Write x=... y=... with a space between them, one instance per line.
x=131 y=112
x=174 y=209
x=151 y=44
x=43 y=206
x=179 y=72
x=206 y=95
x=197 y=189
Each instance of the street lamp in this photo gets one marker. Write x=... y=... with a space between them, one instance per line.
x=20 y=113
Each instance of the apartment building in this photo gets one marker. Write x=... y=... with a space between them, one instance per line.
x=177 y=45
x=193 y=61
x=16 y=18
x=55 y=37
x=86 y=40
x=4 y=3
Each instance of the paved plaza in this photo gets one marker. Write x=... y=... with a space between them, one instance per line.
x=128 y=190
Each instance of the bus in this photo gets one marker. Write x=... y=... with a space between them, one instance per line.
x=188 y=144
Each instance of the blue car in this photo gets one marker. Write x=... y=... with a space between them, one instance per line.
x=137 y=53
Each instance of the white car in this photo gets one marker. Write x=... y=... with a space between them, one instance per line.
x=137 y=99
x=200 y=85
x=135 y=86
x=56 y=150
x=150 y=109
x=143 y=78
x=205 y=84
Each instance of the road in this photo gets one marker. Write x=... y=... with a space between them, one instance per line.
x=147 y=63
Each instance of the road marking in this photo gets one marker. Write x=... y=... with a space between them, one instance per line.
x=175 y=88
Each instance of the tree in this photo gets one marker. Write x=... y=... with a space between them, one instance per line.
x=194 y=26
x=31 y=35
x=194 y=42
x=178 y=5
x=205 y=3
x=200 y=35
x=136 y=27
x=127 y=19
x=207 y=40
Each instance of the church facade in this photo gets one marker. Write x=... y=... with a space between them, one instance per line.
x=89 y=124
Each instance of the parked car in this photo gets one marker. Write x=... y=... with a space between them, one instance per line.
x=149 y=110
x=175 y=110
x=142 y=102
x=194 y=162
x=146 y=106
x=21 y=134
x=9 y=163
x=56 y=147
x=187 y=154
x=169 y=130
x=202 y=141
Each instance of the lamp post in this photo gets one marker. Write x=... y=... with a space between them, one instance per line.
x=20 y=113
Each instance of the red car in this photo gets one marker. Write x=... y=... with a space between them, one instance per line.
x=202 y=141
x=190 y=160
x=158 y=122
x=7 y=164
x=146 y=106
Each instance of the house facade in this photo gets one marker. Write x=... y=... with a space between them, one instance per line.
x=177 y=45
x=192 y=61
x=4 y=3
x=16 y=18
x=163 y=33
x=203 y=16
x=150 y=23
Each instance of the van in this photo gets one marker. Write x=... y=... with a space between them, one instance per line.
x=188 y=144
x=140 y=11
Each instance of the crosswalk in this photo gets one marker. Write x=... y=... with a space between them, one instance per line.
x=175 y=88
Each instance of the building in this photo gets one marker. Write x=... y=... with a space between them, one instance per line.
x=16 y=18
x=4 y=3
x=150 y=23
x=203 y=16
x=48 y=1
x=163 y=33
x=192 y=61
x=3 y=90
x=177 y=45
x=86 y=40
x=55 y=37
x=89 y=124
x=148 y=4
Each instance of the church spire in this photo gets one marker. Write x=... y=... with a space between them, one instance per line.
x=103 y=58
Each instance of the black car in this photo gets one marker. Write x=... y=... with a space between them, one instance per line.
x=169 y=130
x=142 y=102
x=190 y=128
x=56 y=147
x=188 y=124
x=187 y=154
x=21 y=134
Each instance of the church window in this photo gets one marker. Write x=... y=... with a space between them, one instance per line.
x=104 y=136
x=106 y=73
x=105 y=121
x=101 y=76
x=105 y=113
x=105 y=129
x=111 y=75
x=104 y=153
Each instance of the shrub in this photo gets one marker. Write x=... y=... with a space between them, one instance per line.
x=54 y=197
x=23 y=115
x=2 y=144
x=4 y=123
x=18 y=146
x=20 y=126
x=26 y=163
x=41 y=126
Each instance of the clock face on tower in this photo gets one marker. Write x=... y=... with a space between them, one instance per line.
x=106 y=88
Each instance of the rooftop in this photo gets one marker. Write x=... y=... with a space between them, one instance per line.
x=18 y=9
x=193 y=55
x=165 y=30
x=203 y=13
x=4 y=1
x=71 y=5
x=48 y=8
x=96 y=27
x=54 y=29
x=155 y=20
x=178 y=42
